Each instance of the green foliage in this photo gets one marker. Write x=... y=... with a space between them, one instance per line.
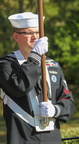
x=63 y=33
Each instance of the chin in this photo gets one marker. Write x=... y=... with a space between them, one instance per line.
x=32 y=45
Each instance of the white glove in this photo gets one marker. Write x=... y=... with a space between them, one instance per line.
x=41 y=46
x=47 y=109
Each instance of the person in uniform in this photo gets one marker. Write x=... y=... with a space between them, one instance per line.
x=29 y=120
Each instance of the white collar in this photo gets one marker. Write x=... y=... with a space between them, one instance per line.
x=19 y=57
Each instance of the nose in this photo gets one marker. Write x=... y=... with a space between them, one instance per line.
x=35 y=35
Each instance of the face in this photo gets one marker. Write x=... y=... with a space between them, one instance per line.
x=26 y=37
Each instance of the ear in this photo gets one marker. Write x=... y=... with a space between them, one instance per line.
x=15 y=36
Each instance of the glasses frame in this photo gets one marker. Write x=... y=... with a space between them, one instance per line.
x=28 y=33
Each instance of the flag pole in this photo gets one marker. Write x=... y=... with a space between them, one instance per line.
x=41 y=34
x=45 y=120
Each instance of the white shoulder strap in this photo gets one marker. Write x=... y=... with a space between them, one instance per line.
x=18 y=110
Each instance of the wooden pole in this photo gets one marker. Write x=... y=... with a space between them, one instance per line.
x=43 y=65
x=45 y=120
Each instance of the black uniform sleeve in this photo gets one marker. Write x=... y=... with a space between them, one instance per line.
x=18 y=80
x=65 y=100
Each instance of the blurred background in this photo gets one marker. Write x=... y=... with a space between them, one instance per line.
x=62 y=28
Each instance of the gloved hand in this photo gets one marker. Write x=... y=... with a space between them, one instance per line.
x=41 y=46
x=47 y=109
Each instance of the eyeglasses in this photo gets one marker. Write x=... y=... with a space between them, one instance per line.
x=28 y=33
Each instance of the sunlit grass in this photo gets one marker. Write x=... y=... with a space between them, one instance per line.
x=1 y=108
x=2 y=131
x=70 y=133
x=2 y=126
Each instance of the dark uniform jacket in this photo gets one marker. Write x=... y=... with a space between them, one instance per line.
x=17 y=81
